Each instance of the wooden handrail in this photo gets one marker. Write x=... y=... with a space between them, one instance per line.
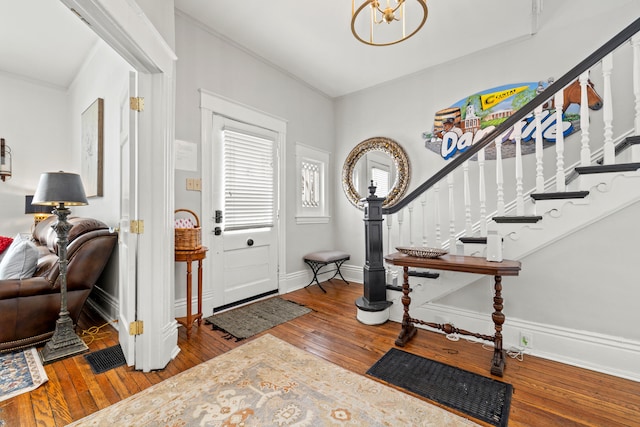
x=520 y=114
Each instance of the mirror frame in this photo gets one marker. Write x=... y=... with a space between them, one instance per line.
x=400 y=158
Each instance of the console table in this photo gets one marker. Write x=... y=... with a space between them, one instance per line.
x=189 y=256
x=465 y=264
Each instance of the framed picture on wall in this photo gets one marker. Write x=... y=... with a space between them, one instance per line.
x=92 y=148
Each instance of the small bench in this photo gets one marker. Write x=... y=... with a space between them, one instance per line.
x=317 y=260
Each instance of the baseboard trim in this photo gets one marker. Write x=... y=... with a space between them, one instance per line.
x=104 y=304
x=589 y=350
x=299 y=279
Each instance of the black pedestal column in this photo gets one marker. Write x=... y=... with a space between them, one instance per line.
x=373 y=307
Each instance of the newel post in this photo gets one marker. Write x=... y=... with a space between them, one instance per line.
x=373 y=307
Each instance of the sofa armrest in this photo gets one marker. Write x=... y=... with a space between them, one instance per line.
x=21 y=288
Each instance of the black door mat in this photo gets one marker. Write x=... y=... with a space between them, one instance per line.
x=105 y=359
x=480 y=397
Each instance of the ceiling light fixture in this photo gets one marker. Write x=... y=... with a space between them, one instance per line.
x=395 y=10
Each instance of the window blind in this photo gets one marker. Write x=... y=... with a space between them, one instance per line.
x=248 y=179
x=381 y=178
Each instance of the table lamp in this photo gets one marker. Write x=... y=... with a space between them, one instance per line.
x=39 y=212
x=58 y=189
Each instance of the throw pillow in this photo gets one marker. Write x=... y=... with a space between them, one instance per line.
x=5 y=242
x=20 y=261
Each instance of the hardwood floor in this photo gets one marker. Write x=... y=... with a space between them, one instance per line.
x=546 y=393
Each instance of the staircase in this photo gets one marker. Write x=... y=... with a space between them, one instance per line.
x=535 y=200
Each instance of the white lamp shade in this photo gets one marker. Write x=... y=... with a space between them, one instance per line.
x=60 y=187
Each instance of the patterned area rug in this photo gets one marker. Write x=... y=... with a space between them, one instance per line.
x=269 y=382
x=20 y=372
x=250 y=320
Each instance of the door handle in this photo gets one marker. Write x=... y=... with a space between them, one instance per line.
x=250 y=242
x=217 y=231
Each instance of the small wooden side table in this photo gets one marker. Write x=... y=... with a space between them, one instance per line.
x=465 y=264
x=189 y=256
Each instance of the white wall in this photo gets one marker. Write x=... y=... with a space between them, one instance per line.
x=104 y=74
x=160 y=13
x=554 y=288
x=207 y=62
x=34 y=122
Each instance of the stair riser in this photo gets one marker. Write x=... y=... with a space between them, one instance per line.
x=588 y=182
x=541 y=207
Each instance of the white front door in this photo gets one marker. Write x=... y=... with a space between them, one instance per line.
x=127 y=242
x=244 y=203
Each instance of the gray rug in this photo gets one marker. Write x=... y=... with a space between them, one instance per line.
x=244 y=322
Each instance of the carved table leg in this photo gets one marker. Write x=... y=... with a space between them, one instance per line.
x=408 y=330
x=498 y=362
x=199 y=314
x=189 y=283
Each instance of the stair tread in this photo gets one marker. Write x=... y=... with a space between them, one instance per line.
x=427 y=274
x=623 y=167
x=526 y=219
x=628 y=142
x=560 y=195
x=479 y=240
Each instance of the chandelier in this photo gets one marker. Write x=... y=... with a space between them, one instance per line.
x=394 y=10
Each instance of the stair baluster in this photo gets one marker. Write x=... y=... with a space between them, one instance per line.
x=585 y=151
x=607 y=111
x=482 y=194
x=499 y=177
x=559 y=104
x=517 y=135
x=467 y=200
x=539 y=148
x=436 y=189
x=452 y=215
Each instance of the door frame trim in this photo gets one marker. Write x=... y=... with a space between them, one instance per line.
x=125 y=27
x=212 y=104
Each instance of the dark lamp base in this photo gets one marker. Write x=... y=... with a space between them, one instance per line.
x=64 y=342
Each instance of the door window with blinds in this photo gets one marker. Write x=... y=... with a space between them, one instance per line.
x=249 y=183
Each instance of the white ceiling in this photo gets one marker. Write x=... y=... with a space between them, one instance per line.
x=44 y=41
x=312 y=40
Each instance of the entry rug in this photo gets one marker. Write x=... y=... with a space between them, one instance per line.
x=481 y=397
x=20 y=372
x=249 y=320
x=269 y=382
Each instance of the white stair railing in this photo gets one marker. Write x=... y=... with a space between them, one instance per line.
x=470 y=217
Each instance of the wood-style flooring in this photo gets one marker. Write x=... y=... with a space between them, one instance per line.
x=546 y=393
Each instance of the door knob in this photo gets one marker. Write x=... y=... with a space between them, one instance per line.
x=250 y=242
x=217 y=231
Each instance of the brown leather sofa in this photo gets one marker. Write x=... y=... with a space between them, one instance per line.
x=30 y=307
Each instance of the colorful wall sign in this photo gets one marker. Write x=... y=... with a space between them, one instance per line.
x=459 y=126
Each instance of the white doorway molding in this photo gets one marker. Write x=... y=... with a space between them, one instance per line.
x=125 y=27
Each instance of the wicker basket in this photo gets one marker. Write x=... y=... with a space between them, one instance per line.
x=421 y=252
x=188 y=239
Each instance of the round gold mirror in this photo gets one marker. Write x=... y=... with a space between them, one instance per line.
x=381 y=160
